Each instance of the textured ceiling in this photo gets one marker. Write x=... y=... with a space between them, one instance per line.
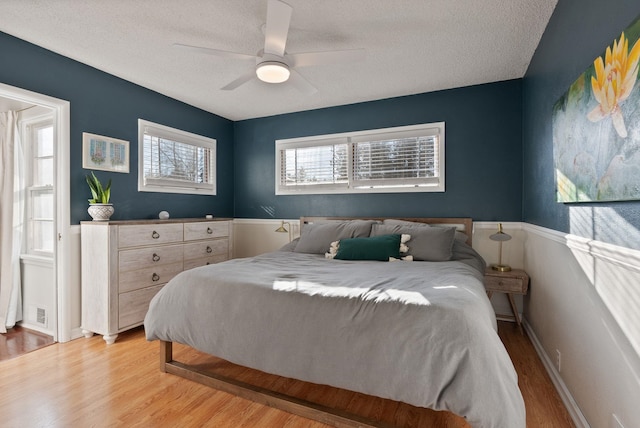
x=412 y=46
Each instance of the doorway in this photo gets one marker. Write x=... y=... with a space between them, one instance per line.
x=49 y=118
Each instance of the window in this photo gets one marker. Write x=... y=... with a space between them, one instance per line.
x=175 y=161
x=39 y=148
x=402 y=159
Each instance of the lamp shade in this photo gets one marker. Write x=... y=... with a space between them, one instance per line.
x=283 y=229
x=273 y=72
x=500 y=235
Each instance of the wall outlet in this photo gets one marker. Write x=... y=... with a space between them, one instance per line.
x=558 y=360
x=615 y=422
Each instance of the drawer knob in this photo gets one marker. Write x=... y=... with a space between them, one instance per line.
x=209 y=230
x=155 y=235
x=156 y=257
x=209 y=250
x=155 y=277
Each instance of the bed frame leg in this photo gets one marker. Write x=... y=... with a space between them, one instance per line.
x=166 y=355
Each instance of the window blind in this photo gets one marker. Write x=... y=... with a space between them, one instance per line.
x=176 y=160
x=401 y=159
x=315 y=166
x=409 y=161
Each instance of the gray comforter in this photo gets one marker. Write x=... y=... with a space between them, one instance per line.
x=423 y=333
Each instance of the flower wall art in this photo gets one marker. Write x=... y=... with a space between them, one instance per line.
x=104 y=153
x=596 y=127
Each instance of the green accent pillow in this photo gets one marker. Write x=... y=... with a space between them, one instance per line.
x=373 y=248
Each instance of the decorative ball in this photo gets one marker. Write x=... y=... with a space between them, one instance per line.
x=163 y=215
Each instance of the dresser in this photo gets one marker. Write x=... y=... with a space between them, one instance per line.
x=125 y=263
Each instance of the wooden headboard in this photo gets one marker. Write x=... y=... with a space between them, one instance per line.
x=463 y=224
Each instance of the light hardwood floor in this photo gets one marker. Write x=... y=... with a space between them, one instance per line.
x=85 y=383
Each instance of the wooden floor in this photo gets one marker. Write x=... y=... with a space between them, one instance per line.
x=87 y=383
x=19 y=340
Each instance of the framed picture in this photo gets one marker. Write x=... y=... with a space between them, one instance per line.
x=596 y=127
x=104 y=153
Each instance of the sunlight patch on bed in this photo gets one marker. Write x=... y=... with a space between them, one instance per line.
x=378 y=295
x=407 y=297
x=313 y=288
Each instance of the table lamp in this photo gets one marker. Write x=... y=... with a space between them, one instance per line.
x=283 y=229
x=500 y=236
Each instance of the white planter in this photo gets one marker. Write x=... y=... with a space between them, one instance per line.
x=100 y=212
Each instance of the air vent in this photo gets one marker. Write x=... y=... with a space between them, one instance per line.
x=41 y=316
x=37 y=316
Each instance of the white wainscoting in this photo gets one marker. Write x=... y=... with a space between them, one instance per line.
x=257 y=236
x=38 y=294
x=584 y=301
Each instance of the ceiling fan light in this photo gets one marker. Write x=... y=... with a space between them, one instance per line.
x=273 y=72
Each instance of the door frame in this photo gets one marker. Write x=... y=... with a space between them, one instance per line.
x=62 y=254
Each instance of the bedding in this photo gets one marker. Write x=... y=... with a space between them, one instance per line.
x=423 y=333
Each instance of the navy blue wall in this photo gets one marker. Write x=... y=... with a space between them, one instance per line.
x=578 y=32
x=483 y=156
x=106 y=105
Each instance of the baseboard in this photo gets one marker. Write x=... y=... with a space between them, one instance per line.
x=572 y=407
x=35 y=327
x=76 y=333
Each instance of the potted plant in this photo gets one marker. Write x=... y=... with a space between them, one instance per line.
x=99 y=207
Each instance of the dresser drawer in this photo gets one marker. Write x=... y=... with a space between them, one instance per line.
x=205 y=230
x=148 y=257
x=149 y=234
x=190 y=264
x=141 y=278
x=133 y=306
x=197 y=250
x=505 y=285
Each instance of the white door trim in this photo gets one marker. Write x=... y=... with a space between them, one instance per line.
x=62 y=120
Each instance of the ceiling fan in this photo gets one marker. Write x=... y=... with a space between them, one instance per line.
x=272 y=63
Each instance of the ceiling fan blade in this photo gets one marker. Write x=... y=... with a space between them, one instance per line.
x=302 y=84
x=277 y=28
x=239 y=81
x=216 y=52
x=330 y=57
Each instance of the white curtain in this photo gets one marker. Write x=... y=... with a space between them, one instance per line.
x=12 y=191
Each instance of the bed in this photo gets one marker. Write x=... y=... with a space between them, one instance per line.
x=331 y=308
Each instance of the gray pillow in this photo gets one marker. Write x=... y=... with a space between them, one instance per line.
x=290 y=246
x=460 y=236
x=466 y=254
x=316 y=238
x=427 y=243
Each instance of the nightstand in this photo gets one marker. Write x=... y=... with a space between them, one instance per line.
x=516 y=281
